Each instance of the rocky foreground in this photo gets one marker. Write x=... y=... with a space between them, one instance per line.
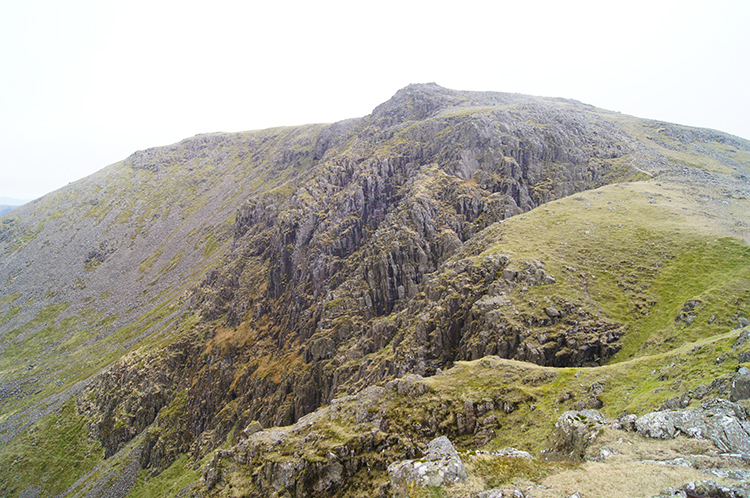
x=706 y=449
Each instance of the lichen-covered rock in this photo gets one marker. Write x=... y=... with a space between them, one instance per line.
x=740 y=385
x=441 y=465
x=512 y=453
x=707 y=489
x=252 y=428
x=723 y=422
x=574 y=432
x=504 y=492
x=410 y=384
x=658 y=425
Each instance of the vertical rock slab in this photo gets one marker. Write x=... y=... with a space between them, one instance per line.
x=440 y=466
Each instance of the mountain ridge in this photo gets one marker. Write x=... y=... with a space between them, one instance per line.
x=234 y=277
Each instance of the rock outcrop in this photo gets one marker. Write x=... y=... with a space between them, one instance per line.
x=441 y=465
x=574 y=432
x=707 y=489
x=723 y=422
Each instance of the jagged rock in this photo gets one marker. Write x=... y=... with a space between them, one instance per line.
x=656 y=425
x=504 y=492
x=707 y=489
x=441 y=465
x=410 y=384
x=366 y=405
x=742 y=339
x=719 y=387
x=332 y=256
x=604 y=453
x=574 y=431
x=252 y=428
x=676 y=403
x=740 y=385
x=512 y=453
x=590 y=403
x=552 y=312
x=687 y=315
x=723 y=422
x=212 y=472
x=466 y=420
x=625 y=422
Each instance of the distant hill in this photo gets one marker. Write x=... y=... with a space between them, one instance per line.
x=10 y=201
x=8 y=204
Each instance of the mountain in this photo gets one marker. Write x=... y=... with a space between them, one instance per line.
x=359 y=288
x=7 y=204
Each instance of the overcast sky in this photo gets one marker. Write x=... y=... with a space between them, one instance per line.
x=84 y=84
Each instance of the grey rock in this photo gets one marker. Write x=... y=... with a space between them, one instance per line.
x=707 y=489
x=552 y=312
x=441 y=465
x=252 y=429
x=513 y=453
x=723 y=422
x=625 y=422
x=574 y=431
x=742 y=339
x=410 y=384
x=604 y=453
x=590 y=403
x=676 y=403
x=467 y=420
x=657 y=425
x=504 y=492
x=740 y=385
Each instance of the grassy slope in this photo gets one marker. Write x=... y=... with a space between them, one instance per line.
x=168 y=229
x=637 y=253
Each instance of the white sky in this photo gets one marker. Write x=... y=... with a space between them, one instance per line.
x=83 y=84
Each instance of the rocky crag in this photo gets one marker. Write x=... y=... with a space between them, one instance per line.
x=171 y=300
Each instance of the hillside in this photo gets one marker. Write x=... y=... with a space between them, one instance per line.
x=152 y=311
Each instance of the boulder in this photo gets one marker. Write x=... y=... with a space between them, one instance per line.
x=676 y=403
x=511 y=452
x=657 y=425
x=504 y=492
x=252 y=428
x=707 y=489
x=574 y=431
x=723 y=422
x=740 y=385
x=441 y=465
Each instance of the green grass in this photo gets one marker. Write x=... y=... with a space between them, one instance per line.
x=52 y=454
x=617 y=254
x=169 y=483
x=505 y=471
x=211 y=245
x=10 y=298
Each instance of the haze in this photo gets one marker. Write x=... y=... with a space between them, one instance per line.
x=85 y=84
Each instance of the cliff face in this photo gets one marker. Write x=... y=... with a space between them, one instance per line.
x=191 y=289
